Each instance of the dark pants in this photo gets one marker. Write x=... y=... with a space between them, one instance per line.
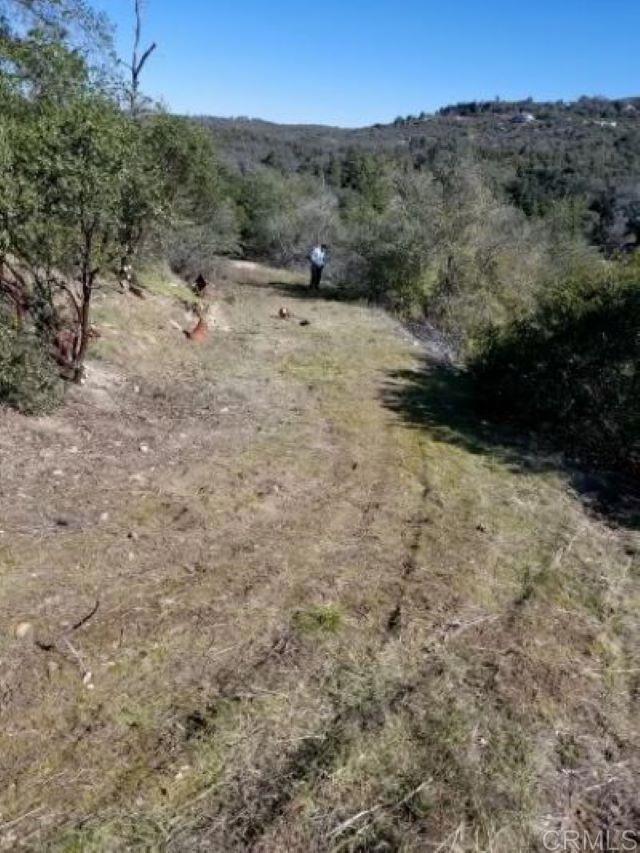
x=316 y=276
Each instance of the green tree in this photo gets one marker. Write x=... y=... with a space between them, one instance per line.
x=190 y=201
x=70 y=164
x=283 y=216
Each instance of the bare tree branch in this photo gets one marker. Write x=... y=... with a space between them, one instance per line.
x=145 y=56
x=138 y=62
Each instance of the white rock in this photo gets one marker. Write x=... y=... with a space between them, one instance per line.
x=23 y=630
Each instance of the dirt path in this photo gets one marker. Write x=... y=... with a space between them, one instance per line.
x=323 y=623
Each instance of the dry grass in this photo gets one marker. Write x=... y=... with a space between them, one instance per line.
x=319 y=628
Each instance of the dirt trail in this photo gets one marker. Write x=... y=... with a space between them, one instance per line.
x=320 y=623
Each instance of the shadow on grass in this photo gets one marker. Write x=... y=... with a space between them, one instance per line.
x=440 y=399
x=330 y=291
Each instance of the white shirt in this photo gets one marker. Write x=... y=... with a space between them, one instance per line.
x=318 y=257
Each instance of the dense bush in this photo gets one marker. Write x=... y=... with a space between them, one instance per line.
x=29 y=381
x=196 y=218
x=283 y=215
x=572 y=372
x=446 y=246
x=192 y=248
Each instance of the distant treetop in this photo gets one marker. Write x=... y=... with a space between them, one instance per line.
x=591 y=107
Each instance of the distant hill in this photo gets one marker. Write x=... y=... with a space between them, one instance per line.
x=589 y=107
x=517 y=127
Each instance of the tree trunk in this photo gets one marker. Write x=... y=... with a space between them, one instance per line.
x=88 y=276
x=85 y=326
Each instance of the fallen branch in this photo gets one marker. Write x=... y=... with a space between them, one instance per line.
x=86 y=618
x=84 y=670
x=454 y=628
x=64 y=640
x=451 y=840
x=350 y=822
x=347 y=824
x=16 y=821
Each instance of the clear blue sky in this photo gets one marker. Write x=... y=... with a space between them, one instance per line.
x=355 y=62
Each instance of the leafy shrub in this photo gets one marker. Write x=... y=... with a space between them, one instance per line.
x=29 y=381
x=572 y=371
x=193 y=248
x=448 y=248
x=285 y=215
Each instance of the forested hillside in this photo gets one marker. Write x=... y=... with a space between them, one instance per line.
x=535 y=153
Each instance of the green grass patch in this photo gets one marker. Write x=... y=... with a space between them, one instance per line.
x=159 y=280
x=318 y=620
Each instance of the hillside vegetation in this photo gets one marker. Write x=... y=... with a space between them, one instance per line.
x=587 y=151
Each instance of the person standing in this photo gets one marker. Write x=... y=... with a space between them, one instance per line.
x=318 y=259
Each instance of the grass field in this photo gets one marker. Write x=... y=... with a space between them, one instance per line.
x=281 y=592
